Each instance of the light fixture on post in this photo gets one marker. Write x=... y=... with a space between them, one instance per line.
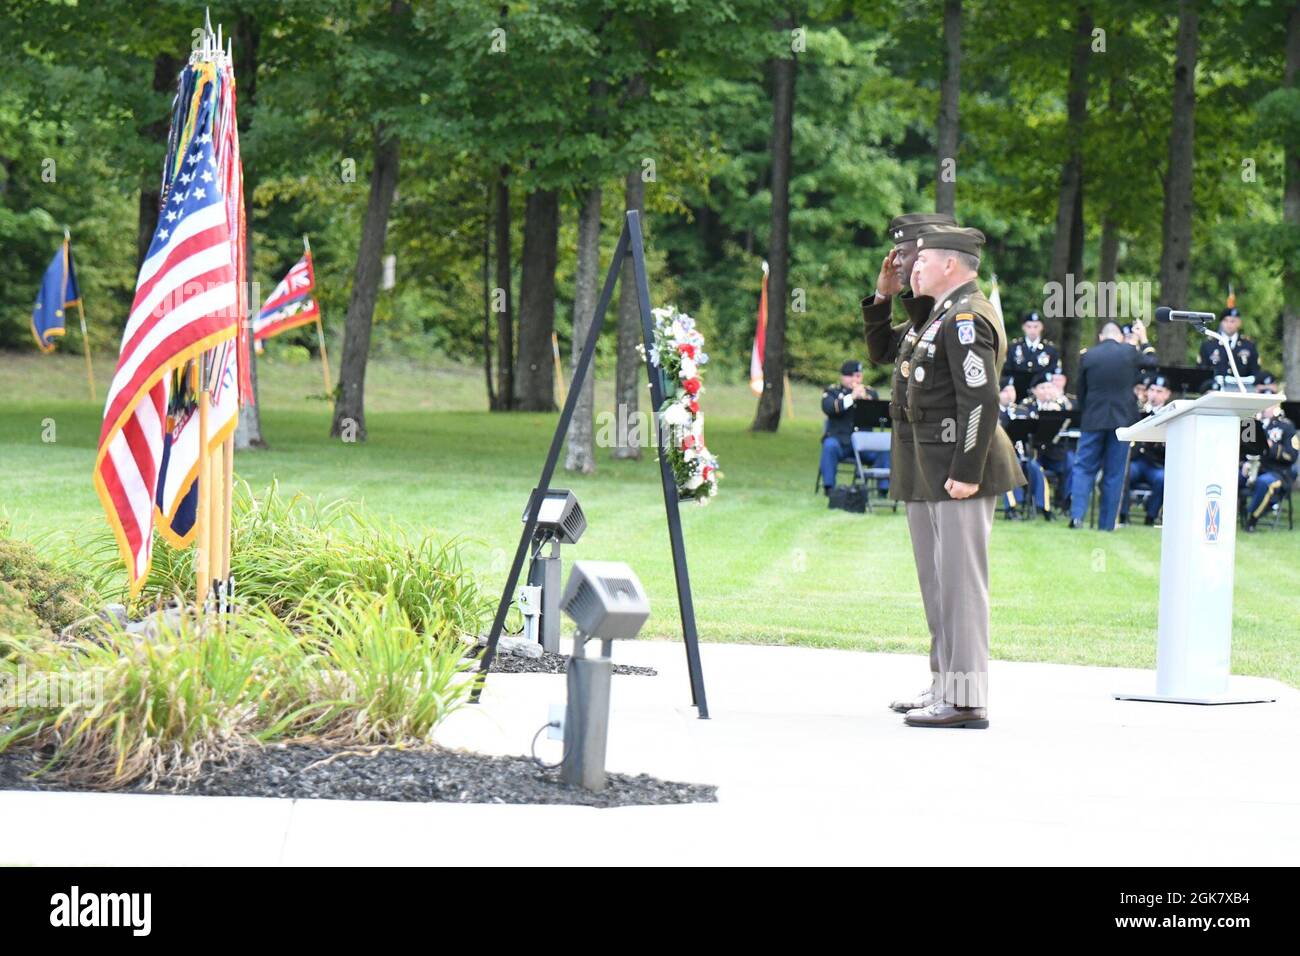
x=607 y=603
x=559 y=521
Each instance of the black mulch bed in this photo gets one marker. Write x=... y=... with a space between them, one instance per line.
x=407 y=776
x=550 y=663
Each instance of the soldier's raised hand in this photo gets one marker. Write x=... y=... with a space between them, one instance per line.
x=889 y=282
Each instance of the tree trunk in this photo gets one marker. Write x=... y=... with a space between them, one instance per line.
x=248 y=430
x=1067 y=245
x=945 y=181
x=349 y=405
x=505 y=315
x=1108 y=253
x=1175 y=254
x=1291 y=216
x=629 y=374
x=487 y=297
x=165 y=69
x=534 y=372
x=768 y=416
x=581 y=453
x=1069 y=342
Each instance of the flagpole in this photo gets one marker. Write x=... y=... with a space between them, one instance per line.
x=203 y=511
x=320 y=329
x=85 y=344
x=81 y=311
x=228 y=485
x=559 y=369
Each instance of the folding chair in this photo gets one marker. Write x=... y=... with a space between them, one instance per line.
x=844 y=463
x=864 y=442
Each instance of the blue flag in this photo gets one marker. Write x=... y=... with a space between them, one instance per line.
x=58 y=291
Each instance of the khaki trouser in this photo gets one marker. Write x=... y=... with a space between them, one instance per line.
x=950 y=542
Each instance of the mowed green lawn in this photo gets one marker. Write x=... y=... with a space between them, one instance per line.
x=769 y=562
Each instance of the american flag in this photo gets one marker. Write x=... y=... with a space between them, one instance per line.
x=185 y=303
x=290 y=305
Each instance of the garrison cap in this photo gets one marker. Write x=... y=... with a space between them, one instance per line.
x=951 y=238
x=905 y=227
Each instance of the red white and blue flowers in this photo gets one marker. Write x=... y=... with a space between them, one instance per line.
x=679 y=350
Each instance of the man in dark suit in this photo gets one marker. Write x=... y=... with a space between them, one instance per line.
x=1106 y=376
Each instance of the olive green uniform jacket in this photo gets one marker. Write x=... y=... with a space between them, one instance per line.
x=944 y=402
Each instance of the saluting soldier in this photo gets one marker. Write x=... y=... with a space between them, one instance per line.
x=1031 y=353
x=962 y=462
x=1276 y=465
x=1214 y=354
x=889 y=343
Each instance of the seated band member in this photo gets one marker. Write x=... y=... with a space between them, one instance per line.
x=1276 y=465
x=1146 y=464
x=1010 y=410
x=837 y=404
x=1053 y=458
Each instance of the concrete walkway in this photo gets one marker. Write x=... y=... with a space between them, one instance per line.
x=811 y=766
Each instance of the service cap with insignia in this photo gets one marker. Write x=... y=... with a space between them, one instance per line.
x=1040 y=378
x=905 y=227
x=953 y=238
x=851 y=367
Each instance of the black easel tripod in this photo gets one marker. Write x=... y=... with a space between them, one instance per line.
x=629 y=243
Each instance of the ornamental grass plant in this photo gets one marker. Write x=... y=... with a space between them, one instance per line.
x=347 y=633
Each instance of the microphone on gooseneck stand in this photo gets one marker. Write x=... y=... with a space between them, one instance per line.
x=1165 y=314
x=1202 y=320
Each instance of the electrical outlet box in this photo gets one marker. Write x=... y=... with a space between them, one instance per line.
x=556 y=729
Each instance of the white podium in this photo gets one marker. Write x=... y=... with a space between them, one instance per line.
x=1199 y=539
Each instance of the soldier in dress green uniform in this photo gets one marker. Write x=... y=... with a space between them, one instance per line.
x=889 y=343
x=961 y=461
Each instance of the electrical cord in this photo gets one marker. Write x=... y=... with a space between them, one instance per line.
x=533 y=748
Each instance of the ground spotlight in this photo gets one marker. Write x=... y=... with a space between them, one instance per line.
x=559 y=521
x=607 y=603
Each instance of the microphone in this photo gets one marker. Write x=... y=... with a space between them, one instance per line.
x=1166 y=314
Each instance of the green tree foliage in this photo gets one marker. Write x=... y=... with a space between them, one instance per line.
x=79 y=92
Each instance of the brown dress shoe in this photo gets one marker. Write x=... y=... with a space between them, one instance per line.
x=923 y=699
x=944 y=714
